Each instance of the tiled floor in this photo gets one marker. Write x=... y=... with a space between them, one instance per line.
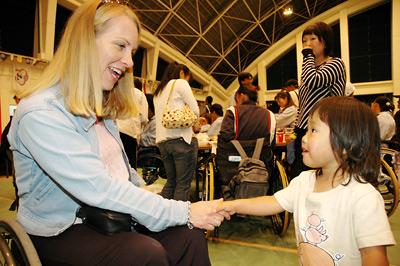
x=243 y=241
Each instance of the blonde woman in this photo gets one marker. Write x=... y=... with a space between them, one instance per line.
x=68 y=154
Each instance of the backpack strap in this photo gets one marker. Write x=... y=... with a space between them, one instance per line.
x=234 y=111
x=239 y=148
x=236 y=123
x=258 y=148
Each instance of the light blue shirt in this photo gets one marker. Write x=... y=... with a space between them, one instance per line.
x=56 y=157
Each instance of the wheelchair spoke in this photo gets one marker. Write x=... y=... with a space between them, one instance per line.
x=388 y=183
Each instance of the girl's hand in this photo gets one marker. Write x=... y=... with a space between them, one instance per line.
x=226 y=206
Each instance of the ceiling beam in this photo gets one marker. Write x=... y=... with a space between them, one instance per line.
x=247 y=32
x=171 y=12
x=215 y=20
x=307 y=7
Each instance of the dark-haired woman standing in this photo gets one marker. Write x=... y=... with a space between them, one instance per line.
x=322 y=76
x=178 y=146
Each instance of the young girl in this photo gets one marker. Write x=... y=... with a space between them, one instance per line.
x=339 y=216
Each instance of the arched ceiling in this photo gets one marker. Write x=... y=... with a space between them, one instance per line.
x=224 y=36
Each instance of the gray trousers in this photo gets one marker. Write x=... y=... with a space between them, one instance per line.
x=180 y=161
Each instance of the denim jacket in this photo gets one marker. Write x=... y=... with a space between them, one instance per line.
x=58 y=166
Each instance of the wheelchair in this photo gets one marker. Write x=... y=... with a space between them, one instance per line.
x=205 y=172
x=388 y=184
x=225 y=164
x=149 y=160
x=16 y=247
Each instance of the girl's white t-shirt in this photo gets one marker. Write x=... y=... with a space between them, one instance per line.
x=332 y=226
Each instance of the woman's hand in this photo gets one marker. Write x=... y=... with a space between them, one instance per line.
x=307 y=50
x=204 y=214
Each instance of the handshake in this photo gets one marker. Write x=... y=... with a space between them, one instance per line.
x=210 y=214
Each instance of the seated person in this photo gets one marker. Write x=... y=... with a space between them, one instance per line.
x=202 y=125
x=396 y=136
x=216 y=116
x=383 y=108
x=148 y=136
x=287 y=110
x=245 y=121
x=253 y=121
x=292 y=87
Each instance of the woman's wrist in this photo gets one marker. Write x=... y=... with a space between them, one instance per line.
x=189 y=216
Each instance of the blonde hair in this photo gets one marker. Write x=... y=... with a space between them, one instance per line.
x=75 y=65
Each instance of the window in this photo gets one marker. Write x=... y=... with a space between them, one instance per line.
x=370 y=45
x=138 y=61
x=336 y=40
x=195 y=84
x=282 y=70
x=161 y=66
x=17 y=21
x=62 y=16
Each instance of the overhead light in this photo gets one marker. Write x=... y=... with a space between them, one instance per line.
x=287 y=11
x=3 y=56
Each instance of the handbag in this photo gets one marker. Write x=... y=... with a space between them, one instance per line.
x=106 y=222
x=177 y=118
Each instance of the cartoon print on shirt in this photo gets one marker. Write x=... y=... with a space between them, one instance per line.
x=309 y=251
x=315 y=233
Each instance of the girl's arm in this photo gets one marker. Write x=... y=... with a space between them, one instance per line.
x=260 y=206
x=374 y=256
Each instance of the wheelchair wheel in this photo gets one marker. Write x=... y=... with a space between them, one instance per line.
x=388 y=187
x=207 y=177
x=151 y=174
x=280 y=221
x=15 y=245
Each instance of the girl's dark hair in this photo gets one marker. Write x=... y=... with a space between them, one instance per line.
x=324 y=33
x=354 y=136
x=252 y=94
x=172 y=71
x=244 y=75
x=285 y=95
x=385 y=104
x=217 y=108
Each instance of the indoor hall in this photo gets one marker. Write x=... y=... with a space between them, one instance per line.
x=217 y=40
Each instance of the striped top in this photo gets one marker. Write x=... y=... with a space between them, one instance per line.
x=318 y=82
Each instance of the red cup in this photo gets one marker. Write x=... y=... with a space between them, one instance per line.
x=279 y=137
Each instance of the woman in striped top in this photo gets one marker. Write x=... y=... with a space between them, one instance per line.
x=322 y=76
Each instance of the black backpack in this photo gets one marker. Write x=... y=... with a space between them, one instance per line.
x=252 y=178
